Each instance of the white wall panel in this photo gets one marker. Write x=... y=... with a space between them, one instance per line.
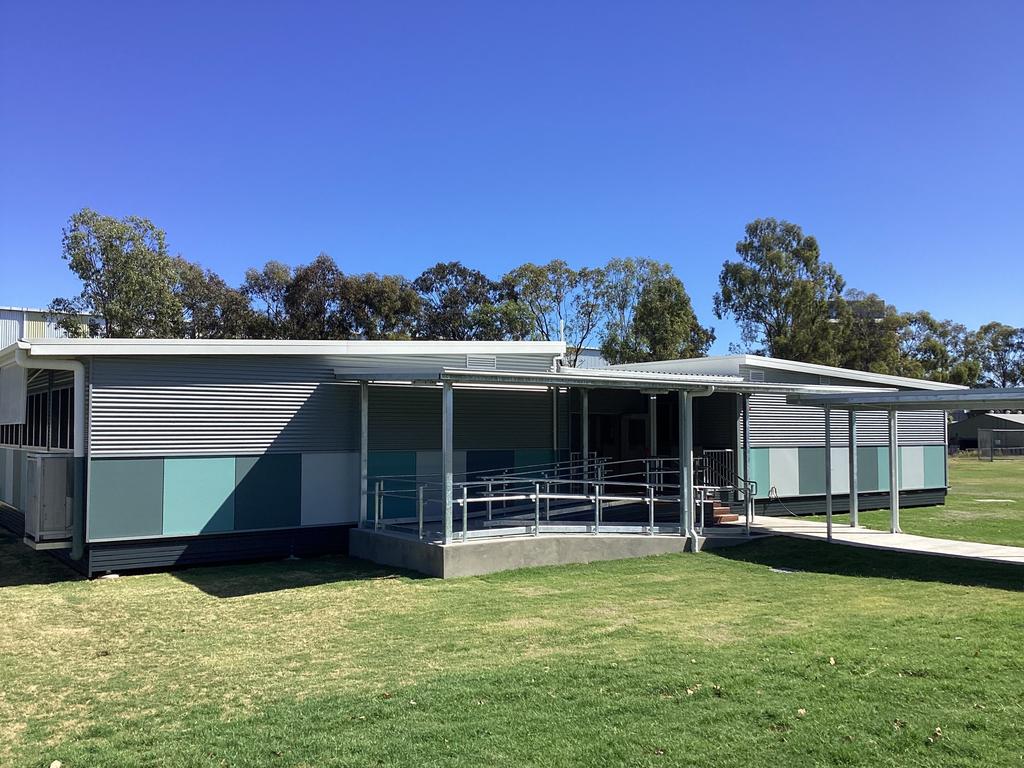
x=330 y=488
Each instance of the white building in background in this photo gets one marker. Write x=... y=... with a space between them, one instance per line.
x=26 y=323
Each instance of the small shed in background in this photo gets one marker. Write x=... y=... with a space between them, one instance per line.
x=965 y=433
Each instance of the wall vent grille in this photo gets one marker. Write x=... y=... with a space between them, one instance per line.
x=481 y=362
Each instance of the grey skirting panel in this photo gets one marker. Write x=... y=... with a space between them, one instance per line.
x=815 y=505
x=12 y=519
x=119 y=557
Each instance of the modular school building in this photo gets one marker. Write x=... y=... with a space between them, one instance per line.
x=124 y=454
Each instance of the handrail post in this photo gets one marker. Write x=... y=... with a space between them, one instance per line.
x=376 y=505
x=547 y=500
x=419 y=508
x=597 y=509
x=650 y=508
x=490 y=504
x=465 y=513
x=536 y=509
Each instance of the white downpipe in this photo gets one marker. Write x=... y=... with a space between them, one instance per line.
x=23 y=359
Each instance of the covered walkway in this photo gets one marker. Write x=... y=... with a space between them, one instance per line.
x=858 y=536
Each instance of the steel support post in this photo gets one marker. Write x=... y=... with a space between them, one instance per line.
x=364 y=449
x=447 y=464
x=894 y=474
x=828 y=473
x=854 y=499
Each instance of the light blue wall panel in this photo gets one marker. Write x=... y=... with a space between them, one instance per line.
x=785 y=477
x=199 y=496
x=911 y=467
x=934 y=466
x=840 y=470
x=330 y=488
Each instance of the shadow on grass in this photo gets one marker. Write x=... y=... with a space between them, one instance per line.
x=22 y=566
x=839 y=560
x=255 y=578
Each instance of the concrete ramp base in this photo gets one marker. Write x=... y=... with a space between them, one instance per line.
x=482 y=556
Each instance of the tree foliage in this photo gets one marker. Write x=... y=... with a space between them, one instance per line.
x=781 y=293
x=128 y=278
x=557 y=302
x=787 y=301
x=648 y=314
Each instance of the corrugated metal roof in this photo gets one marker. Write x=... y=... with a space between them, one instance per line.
x=731 y=364
x=971 y=399
x=188 y=347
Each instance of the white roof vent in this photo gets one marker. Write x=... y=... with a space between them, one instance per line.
x=756 y=375
x=481 y=362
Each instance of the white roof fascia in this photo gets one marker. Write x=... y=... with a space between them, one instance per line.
x=731 y=364
x=213 y=347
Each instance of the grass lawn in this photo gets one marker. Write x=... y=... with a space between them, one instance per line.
x=985 y=503
x=837 y=657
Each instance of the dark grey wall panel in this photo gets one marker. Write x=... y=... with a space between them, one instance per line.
x=126 y=498
x=268 y=491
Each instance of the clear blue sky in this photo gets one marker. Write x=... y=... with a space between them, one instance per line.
x=396 y=134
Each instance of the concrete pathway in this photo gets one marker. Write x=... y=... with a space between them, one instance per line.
x=803 y=528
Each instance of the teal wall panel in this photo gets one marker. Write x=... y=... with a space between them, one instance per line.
x=126 y=498
x=384 y=463
x=867 y=468
x=268 y=491
x=882 y=467
x=528 y=457
x=812 y=471
x=199 y=496
x=760 y=470
x=934 y=466
x=482 y=462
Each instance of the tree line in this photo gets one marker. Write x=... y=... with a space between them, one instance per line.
x=786 y=300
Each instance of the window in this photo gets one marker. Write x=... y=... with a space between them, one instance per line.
x=49 y=422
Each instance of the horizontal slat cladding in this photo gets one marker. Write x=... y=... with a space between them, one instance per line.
x=197 y=406
x=776 y=423
x=12 y=519
x=140 y=555
x=495 y=419
x=409 y=418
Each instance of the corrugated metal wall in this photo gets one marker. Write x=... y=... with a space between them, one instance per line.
x=773 y=422
x=179 y=406
x=409 y=418
x=26 y=324
x=10 y=326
